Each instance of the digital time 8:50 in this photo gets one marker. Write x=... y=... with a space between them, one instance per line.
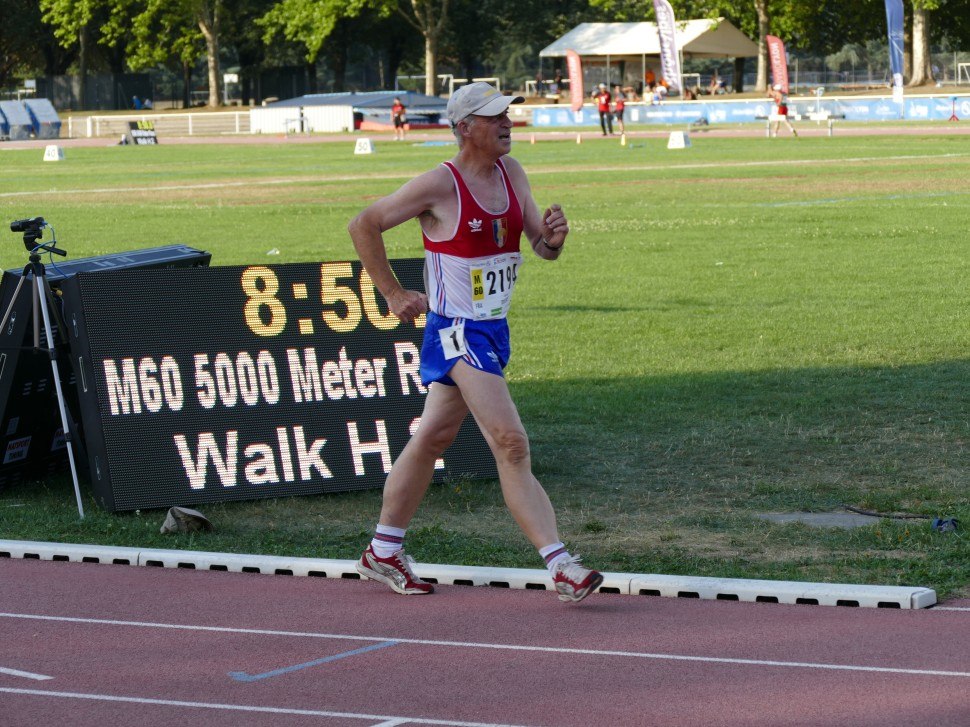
x=265 y=313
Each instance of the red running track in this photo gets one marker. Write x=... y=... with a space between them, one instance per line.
x=85 y=644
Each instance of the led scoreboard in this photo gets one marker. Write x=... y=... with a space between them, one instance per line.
x=243 y=382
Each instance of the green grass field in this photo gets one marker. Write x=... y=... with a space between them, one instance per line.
x=747 y=326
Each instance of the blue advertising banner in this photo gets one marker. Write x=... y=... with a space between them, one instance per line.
x=917 y=108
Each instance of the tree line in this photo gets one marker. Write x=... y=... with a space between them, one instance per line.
x=467 y=37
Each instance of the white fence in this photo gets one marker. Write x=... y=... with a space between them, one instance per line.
x=209 y=123
x=276 y=120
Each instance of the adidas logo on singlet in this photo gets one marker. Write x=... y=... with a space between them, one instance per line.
x=475 y=225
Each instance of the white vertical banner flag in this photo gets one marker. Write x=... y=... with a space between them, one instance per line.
x=669 y=60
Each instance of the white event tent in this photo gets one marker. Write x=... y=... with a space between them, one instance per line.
x=632 y=44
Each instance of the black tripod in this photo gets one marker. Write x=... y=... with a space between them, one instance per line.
x=42 y=298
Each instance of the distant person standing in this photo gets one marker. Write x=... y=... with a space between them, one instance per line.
x=400 y=118
x=780 y=110
x=603 y=98
x=619 y=105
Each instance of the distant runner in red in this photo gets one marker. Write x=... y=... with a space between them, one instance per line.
x=473 y=211
x=400 y=119
x=603 y=98
x=618 y=107
x=780 y=110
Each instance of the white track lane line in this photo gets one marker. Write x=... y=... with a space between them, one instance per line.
x=379 y=718
x=24 y=674
x=500 y=647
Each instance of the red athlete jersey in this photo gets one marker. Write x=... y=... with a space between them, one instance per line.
x=481 y=241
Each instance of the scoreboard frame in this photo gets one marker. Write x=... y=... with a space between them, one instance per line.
x=246 y=382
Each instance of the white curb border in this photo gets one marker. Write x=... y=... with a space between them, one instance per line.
x=721 y=589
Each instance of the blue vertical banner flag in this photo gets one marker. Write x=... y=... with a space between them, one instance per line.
x=894 y=19
x=669 y=60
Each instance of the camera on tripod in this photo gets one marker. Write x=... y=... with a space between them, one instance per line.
x=44 y=310
x=32 y=227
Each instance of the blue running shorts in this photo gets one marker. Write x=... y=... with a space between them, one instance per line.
x=486 y=342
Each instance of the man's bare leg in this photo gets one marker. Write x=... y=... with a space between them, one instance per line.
x=488 y=398
x=407 y=483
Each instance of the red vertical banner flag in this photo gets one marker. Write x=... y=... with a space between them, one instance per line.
x=575 y=67
x=779 y=62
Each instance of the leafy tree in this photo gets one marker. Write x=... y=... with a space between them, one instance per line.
x=922 y=71
x=161 y=35
x=181 y=29
x=471 y=37
x=71 y=21
x=85 y=29
x=490 y=37
x=308 y=22
x=207 y=14
x=28 y=45
x=429 y=18
x=311 y=24
x=956 y=30
x=242 y=33
x=392 y=42
x=851 y=53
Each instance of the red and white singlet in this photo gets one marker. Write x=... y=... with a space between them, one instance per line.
x=472 y=273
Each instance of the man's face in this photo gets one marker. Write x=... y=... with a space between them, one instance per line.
x=492 y=130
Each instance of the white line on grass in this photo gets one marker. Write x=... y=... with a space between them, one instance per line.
x=183 y=187
x=501 y=647
x=408 y=175
x=24 y=674
x=761 y=163
x=870 y=198
x=384 y=719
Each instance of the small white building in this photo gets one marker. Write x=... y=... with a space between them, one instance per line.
x=336 y=112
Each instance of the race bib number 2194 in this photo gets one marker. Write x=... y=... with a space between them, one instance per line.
x=492 y=286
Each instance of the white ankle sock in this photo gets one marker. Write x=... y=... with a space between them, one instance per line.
x=387 y=540
x=553 y=554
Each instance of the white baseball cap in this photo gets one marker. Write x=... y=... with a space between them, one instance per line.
x=777 y=87
x=478 y=98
